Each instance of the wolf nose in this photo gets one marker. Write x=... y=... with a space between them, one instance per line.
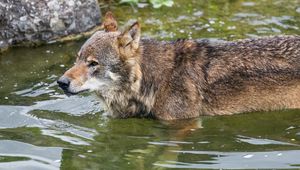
x=63 y=82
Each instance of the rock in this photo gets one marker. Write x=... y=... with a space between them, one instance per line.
x=24 y=22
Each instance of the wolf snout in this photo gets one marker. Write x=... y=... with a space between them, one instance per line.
x=63 y=82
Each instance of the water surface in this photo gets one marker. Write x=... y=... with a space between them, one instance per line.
x=41 y=128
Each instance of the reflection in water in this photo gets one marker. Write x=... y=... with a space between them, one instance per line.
x=40 y=128
x=256 y=141
x=37 y=157
x=239 y=160
x=18 y=116
x=208 y=142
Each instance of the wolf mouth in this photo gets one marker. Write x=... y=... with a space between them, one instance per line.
x=70 y=93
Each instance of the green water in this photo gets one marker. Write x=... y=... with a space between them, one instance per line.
x=41 y=128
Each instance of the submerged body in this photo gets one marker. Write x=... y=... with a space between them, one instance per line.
x=202 y=78
x=186 y=78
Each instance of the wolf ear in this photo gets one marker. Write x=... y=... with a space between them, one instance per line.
x=129 y=40
x=110 y=24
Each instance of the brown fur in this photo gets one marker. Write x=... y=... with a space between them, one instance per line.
x=187 y=78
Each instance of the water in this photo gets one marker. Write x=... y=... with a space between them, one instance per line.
x=41 y=128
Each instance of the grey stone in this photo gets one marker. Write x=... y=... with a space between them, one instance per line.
x=41 y=21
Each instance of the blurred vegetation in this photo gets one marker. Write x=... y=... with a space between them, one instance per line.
x=221 y=19
x=155 y=3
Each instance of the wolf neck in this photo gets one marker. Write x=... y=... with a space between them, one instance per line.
x=140 y=97
x=158 y=63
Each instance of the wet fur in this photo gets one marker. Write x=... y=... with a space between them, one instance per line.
x=186 y=78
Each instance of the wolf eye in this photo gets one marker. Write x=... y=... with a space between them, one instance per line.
x=93 y=63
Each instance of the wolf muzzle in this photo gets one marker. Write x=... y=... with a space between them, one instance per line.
x=64 y=83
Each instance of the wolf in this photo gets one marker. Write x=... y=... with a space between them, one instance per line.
x=181 y=79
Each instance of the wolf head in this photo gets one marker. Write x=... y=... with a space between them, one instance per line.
x=107 y=62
